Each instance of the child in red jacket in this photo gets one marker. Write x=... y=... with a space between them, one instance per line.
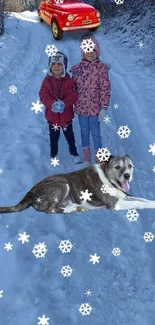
x=58 y=94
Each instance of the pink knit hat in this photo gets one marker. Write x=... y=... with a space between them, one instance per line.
x=97 y=47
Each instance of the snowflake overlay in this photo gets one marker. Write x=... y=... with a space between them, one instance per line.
x=152 y=149
x=13 y=89
x=107 y=189
x=88 y=292
x=85 y=309
x=117 y=207
x=85 y=196
x=66 y=270
x=51 y=50
x=58 y=2
x=119 y=2
x=106 y=119
x=148 y=237
x=38 y=200
x=116 y=251
x=39 y=250
x=141 y=44
x=116 y=106
x=37 y=107
x=54 y=161
x=132 y=215
x=153 y=169
x=1 y=293
x=43 y=320
x=65 y=246
x=103 y=154
x=55 y=127
x=23 y=238
x=87 y=45
x=94 y=259
x=123 y=132
x=1 y=171
x=8 y=246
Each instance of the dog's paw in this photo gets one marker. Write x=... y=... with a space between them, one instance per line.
x=70 y=208
x=79 y=208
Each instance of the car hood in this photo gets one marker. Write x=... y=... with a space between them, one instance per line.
x=75 y=7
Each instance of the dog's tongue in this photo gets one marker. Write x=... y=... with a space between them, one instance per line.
x=125 y=186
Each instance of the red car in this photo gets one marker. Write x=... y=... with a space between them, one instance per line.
x=68 y=15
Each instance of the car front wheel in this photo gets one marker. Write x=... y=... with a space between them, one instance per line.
x=40 y=19
x=94 y=29
x=56 y=31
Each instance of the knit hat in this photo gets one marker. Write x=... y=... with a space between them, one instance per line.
x=58 y=58
x=96 y=47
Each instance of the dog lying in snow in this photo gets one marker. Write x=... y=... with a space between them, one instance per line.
x=104 y=185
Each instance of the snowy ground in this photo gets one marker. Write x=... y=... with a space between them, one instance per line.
x=122 y=287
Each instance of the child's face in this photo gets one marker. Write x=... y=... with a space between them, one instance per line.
x=57 y=69
x=90 y=56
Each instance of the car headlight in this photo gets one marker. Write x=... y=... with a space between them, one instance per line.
x=70 y=17
x=98 y=14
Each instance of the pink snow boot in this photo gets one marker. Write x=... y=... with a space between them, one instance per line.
x=87 y=156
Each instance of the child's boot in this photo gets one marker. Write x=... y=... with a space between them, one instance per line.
x=87 y=156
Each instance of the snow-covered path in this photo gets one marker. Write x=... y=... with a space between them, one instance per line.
x=123 y=287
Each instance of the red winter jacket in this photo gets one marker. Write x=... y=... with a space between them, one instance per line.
x=48 y=93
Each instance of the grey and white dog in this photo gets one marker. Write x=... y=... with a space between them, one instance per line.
x=106 y=183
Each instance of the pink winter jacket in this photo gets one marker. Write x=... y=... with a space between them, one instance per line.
x=93 y=86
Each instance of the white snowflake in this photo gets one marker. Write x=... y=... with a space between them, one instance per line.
x=87 y=45
x=39 y=250
x=37 y=107
x=1 y=171
x=85 y=196
x=141 y=44
x=123 y=131
x=23 y=238
x=88 y=292
x=55 y=127
x=43 y=320
x=153 y=169
x=116 y=251
x=65 y=128
x=54 y=161
x=94 y=258
x=152 y=149
x=85 y=309
x=65 y=246
x=132 y=215
x=59 y=1
x=103 y=154
x=38 y=200
x=119 y=2
x=116 y=106
x=8 y=246
x=1 y=293
x=13 y=89
x=7 y=226
x=117 y=207
x=56 y=200
x=66 y=270
x=51 y=50
x=148 y=237
x=45 y=70
x=107 y=189
x=106 y=119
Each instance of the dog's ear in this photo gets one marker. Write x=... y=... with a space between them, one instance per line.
x=111 y=157
x=127 y=156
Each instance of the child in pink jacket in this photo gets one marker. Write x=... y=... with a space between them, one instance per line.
x=93 y=86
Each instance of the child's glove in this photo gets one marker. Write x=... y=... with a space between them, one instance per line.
x=58 y=106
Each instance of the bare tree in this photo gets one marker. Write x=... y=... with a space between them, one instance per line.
x=2 y=17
